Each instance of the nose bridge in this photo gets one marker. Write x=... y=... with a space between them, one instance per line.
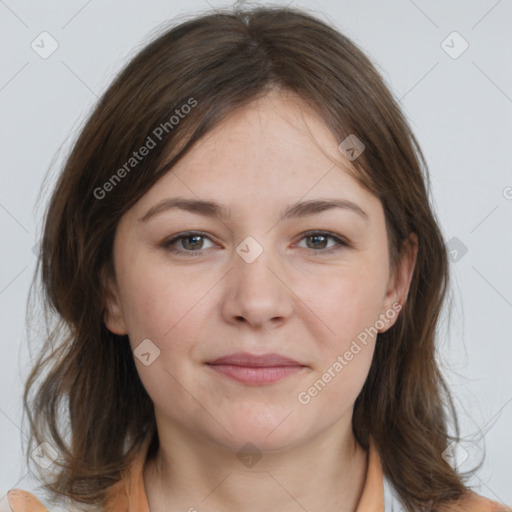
x=256 y=291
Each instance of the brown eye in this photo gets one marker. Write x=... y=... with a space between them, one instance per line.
x=319 y=240
x=184 y=243
x=192 y=242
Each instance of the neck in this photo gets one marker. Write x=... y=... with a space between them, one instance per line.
x=324 y=474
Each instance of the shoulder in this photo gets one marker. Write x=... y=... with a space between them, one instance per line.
x=24 y=501
x=472 y=502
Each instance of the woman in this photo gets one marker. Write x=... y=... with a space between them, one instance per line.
x=248 y=275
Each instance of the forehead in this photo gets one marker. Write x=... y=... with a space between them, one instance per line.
x=274 y=151
x=276 y=135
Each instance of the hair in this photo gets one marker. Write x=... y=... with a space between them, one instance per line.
x=85 y=376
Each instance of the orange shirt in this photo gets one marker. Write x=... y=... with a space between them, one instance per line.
x=129 y=495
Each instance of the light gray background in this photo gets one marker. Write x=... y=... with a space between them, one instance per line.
x=459 y=108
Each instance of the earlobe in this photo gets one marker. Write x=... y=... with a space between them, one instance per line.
x=398 y=290
x=113 y=315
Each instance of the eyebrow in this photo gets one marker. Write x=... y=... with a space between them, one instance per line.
x=212 y=209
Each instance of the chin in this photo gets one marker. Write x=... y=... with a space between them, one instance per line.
x=267 y=430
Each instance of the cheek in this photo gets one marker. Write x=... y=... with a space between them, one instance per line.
x=348 y=309
x=346 y=299
x=164 y=307
x=346 y=304
x=158 y=300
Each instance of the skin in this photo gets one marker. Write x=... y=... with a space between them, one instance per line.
x=300 y=302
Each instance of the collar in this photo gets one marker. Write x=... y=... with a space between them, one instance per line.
x=129 y=494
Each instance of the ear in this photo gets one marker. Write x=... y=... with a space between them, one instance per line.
x=400 y=280
x=113 y=315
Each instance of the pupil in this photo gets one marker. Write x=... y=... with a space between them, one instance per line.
x=196 y=237
x=316 y=237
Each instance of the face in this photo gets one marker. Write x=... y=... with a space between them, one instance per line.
x=312 y=285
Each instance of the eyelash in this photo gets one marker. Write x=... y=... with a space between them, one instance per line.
x=340 y=241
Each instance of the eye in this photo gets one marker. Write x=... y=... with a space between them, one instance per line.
x=191 y=243
x=318 y=240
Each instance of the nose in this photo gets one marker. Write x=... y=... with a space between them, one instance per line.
x=256 y=293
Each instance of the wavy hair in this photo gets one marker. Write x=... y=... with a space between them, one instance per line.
x=83 y=395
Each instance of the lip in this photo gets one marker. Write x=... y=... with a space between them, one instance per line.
x=253 y=369
x=256 y=360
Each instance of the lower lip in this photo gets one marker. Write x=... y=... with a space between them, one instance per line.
x=256 y=375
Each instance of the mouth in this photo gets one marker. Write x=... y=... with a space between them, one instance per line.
x=255 y=369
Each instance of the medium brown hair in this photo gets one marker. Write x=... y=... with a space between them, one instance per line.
x=84 y=395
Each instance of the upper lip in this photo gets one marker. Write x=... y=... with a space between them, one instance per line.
x=263 y=360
